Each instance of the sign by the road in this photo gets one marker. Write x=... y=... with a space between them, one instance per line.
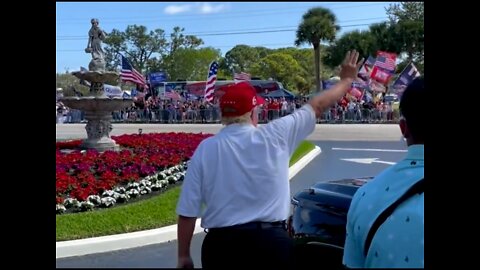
x=367 y=160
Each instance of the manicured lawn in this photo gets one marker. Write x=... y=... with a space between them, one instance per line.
x=304 y=148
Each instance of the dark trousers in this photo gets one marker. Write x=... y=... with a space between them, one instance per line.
x=247 y=247
x=202 y=116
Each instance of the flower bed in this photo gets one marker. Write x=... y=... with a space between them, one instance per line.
x=88 y=179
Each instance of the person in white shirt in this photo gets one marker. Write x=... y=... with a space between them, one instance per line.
x=237 y=180
x=351 y=110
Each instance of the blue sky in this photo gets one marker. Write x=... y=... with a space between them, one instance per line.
x=213 y=22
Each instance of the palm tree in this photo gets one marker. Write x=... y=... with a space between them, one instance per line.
x=318 y=24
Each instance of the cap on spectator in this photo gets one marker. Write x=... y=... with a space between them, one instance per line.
x=239 y=99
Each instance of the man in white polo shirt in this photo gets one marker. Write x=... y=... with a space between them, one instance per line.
x=237 y=180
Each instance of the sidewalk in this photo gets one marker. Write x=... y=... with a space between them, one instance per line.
x=148 y=237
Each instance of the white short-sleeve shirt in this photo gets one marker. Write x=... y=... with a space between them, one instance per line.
x=241 y=174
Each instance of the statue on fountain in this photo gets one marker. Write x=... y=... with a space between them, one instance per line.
x=95 y=37
x=97 y=106
x=96 y=73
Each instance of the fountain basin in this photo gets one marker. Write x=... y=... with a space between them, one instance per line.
x=97 y=103
x=108 y=77
x=98 y=112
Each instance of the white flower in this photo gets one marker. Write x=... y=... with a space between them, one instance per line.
x=108 y=201
x=145 y=183
x=133 y=185
x=179 y=176
x=108 y=193
x=145 y=190
x=164 y=182
x=116 y=195
x=85 y=206
x=60 y=208
x=119 y=194
x=172 y=179
x=120 y=190
x=95 y=199
x=133 y=193
x=157 y=185
x=70 y=202
x=123 y=198
x=77 y=207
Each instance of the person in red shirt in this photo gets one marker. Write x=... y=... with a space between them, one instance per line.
x=276 y=108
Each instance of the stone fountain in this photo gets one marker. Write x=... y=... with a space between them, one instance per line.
x=97 y=106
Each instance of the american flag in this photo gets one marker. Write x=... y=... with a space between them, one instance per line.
x=366 y=68
x=171 y=93
x=386 y=63
x=211 y=79
x=241 y=76
x=409 y=73
x=129 y=74
x=370 y=61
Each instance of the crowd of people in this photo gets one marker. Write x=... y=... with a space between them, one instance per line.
x=156 y=110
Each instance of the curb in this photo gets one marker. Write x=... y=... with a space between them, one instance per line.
x=142 y=238
x=299 y=165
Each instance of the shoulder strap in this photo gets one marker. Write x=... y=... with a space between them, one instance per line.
x=417 y=188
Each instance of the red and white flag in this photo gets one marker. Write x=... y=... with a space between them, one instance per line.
x=380 y=75
x=211 y=80
x=238 y=77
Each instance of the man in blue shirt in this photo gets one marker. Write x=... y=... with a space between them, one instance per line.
x=399 y=241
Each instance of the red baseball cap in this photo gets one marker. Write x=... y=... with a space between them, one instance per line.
x=239 y=99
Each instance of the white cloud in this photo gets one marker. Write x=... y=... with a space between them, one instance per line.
x=202 y=8
x=175 y=9
x=206 y=8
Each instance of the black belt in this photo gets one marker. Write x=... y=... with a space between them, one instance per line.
x=251 y=226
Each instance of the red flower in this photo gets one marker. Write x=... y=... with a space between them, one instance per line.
x=83 y=174
x=58 y=200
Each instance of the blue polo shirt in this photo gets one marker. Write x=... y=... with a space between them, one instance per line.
x=399 y=242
